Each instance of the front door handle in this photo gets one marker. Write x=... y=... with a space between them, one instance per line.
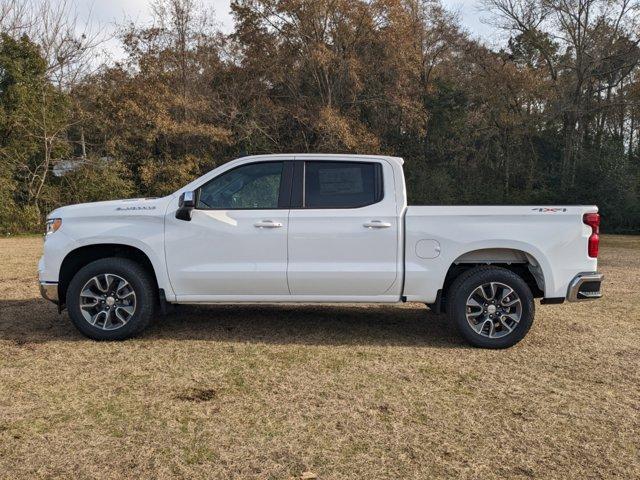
x=377 y=224
x=267 y=224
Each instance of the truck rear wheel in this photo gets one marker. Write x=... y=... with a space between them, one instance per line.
x=491 y=306
x=111 y=299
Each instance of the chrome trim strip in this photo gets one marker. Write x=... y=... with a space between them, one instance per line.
x=578 y=281
x=49 y=291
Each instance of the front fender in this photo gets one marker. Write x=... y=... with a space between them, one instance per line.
x=143 y=233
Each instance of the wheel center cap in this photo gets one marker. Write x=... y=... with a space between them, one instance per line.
x=111 y=301
x=491 y=309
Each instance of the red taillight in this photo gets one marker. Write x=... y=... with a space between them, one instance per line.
x=593 y=220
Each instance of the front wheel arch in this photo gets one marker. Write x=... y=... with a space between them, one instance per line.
x=82 y=256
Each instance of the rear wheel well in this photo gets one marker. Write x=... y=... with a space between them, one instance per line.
x=520 y=269
x=82 y=256
x=516 y=261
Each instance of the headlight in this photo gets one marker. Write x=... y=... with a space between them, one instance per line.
x=52 y=225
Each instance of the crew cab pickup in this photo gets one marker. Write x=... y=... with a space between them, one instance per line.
x=316 y=228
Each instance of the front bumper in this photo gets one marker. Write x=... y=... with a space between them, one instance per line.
x=585 y=286
x=49 y=290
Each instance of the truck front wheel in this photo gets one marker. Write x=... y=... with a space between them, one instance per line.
x=491 y=306
x=111 y=299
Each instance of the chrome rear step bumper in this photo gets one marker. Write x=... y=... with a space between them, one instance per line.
x=585 y=286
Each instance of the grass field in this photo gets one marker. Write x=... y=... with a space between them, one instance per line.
x=342 y=392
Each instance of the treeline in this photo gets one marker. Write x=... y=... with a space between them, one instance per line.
x=551 y=117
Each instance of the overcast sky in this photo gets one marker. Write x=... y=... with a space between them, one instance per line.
x=111 y=12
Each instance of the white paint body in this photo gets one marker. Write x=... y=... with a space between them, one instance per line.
x=325 y=255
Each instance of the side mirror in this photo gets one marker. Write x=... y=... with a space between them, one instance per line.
x=186 y=204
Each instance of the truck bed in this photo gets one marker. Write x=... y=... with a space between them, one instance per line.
x=552 y=241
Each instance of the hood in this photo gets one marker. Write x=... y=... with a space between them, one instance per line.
x=131 y=206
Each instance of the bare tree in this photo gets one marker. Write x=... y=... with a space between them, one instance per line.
x=15 y=16
x=69 y=44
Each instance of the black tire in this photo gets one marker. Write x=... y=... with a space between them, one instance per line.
x=468 y=282
x=141 y=283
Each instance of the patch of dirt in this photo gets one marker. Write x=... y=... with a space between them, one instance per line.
x=197 y=395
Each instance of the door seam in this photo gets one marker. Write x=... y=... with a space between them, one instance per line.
x=287 y=266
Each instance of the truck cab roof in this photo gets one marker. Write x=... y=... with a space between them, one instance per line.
x=324 y=156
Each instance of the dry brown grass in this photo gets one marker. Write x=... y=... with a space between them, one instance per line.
x=344 y=392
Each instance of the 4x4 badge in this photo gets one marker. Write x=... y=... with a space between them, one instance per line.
x=548 y=209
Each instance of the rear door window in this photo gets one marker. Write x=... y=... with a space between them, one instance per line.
x=342 y=184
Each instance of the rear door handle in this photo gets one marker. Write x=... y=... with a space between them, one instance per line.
x=267 y=224
x=377 y=224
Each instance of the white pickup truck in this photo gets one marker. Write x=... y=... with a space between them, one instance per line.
x=315 y=228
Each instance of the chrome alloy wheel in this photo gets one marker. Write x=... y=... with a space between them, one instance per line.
x=107 y=301
x=493 y=310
